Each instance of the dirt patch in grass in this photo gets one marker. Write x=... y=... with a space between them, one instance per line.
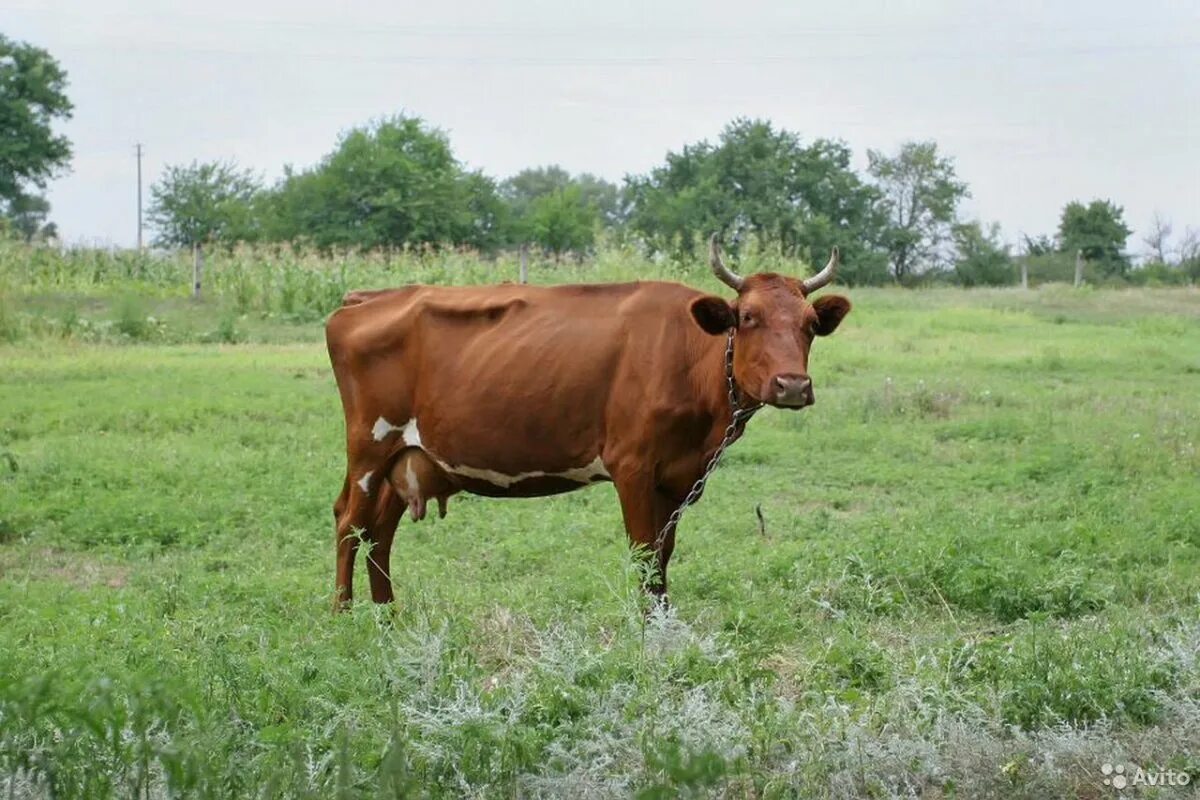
x=49 y=563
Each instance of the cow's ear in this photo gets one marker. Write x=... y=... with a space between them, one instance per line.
x=713 y=314
x=830 y=309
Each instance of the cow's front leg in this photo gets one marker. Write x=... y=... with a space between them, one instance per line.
x=646 y=510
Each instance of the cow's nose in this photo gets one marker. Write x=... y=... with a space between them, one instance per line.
x=794 y=391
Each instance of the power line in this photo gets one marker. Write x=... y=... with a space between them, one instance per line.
x=1004 y=53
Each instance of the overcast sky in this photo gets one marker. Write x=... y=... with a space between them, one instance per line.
x=1039 y=103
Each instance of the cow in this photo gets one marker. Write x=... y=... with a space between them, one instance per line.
x=526 y=391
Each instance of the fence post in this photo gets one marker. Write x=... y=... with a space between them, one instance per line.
x=1024 y=273
x=1078 y=268
x=197 y=270
x=524 y=264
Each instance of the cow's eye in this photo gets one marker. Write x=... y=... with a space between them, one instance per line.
x=747 y=318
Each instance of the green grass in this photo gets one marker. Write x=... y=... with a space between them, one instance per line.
x=978 y=576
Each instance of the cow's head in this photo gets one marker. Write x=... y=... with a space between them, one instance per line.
x=776 y=325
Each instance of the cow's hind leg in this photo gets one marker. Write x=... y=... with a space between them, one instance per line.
x=355 y=512
x=348 y=537
x=345 y=548
x=388 y=510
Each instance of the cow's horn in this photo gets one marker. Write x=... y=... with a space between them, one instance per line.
x=824 y=276
x=727 y=276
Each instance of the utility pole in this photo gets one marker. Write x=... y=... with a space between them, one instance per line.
x=138 y=148
x=1023 y=261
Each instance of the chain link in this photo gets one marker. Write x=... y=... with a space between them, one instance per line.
x=740 y=416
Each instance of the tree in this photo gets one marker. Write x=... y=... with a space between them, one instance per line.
x=527 y=186
x=981 y=258
x=394 y=182
x=202 y=203
x=561 y=221
x=485 y=216
x=1038 y=245
x=1189 y=254
x=603 y=196
x=1099 y=230
x=520 y=190
x=920 y=196
x=32 y=97
x=1157 y=237
x=676 y=203
x=26 y=215
x=794 y=199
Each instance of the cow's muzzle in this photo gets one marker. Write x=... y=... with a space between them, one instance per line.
x=791 y=391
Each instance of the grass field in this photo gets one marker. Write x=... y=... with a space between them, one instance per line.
x=978 y=576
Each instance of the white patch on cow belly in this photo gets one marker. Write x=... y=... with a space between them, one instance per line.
x=411 y=436
x=594 y=471
x=364 y=482
x=382 y=429
x=589 y=473
x=409 y=432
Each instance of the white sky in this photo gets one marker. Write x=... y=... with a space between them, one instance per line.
x=1039 y=102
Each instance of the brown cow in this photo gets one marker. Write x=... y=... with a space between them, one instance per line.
x=520 y=391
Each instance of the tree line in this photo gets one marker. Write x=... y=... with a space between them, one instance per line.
x=392 y=183
x=396 y=183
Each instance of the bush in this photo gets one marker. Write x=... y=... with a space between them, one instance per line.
x=10 y=327
x=132 y=321
x=1158 y=274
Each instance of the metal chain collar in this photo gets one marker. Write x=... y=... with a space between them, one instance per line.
x=737 y=423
